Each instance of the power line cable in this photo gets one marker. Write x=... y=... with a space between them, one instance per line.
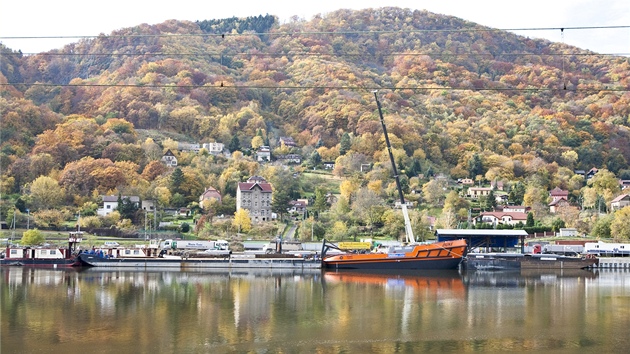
x=223 y=35
x=327 y=87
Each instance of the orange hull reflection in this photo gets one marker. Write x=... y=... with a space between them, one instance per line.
x=437 y=281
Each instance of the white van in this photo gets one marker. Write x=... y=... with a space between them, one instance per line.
x=111 y=244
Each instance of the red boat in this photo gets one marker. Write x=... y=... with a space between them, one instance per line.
x=43 y=257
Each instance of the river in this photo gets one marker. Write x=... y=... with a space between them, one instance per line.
x=98 y=311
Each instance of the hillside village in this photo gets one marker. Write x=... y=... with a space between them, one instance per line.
x=512 y=132
x=496 y=204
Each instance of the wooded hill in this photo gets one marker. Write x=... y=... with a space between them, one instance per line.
x=451 y=90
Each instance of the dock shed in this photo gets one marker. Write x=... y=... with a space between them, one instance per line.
x=484 y=238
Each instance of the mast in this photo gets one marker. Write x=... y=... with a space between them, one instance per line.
x=408 y=230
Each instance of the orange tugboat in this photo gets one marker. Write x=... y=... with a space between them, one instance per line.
x=439 y=255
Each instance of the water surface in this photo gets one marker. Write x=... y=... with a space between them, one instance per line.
x=57 y=311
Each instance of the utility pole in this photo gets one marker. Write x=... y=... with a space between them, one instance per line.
x=145 y=225
x=13 y=227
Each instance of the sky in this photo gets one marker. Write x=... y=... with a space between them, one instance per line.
x=64 y=18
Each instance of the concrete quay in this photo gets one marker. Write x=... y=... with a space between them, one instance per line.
x=614 y=262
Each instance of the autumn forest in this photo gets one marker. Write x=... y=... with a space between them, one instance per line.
x=460 y=100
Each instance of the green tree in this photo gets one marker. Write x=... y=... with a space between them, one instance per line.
x=490 y=202
x=344 y=144
x=32 y=237
x=530 y=220
x=178 y=200
x=280 y=202
x=126 y=208
x=557 y=224
x=20 y=204
x=235 y=144
x=320 y=203
x=176 y=180
x=601 y=229
x=414 y=168
x=517 y=193
x=475 y=166
x=314 y=160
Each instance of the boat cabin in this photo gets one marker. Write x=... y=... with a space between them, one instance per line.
x=36 y=253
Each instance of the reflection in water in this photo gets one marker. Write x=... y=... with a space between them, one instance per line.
x=308 y=311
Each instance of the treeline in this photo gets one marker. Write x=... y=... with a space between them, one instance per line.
x=257 y=24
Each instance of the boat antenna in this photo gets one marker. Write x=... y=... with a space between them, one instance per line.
x=408 y=230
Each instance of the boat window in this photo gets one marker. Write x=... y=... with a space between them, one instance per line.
x=127 y=252
x=14 y=251
x=136 y=252
x=53 y=252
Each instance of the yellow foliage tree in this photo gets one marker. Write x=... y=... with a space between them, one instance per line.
x=376 y=186
x=347 y=188
x=163 y=195
x=32 y=237
x=170 y=144
x=241 y=221
x=257 y=141
x=620 y=227
x=282 y=149
x=339 y=230
x=46 y=193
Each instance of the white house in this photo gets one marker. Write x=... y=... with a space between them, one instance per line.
x=213 y=148
x=515 y=209
x=188 y=147
x=476 y=192
x=148 y=205
x=110 y=203
x=297 y=206
x=290 y=158
x=263 y=154
x=169 y=159
x=496 y=218
x=620 y=202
